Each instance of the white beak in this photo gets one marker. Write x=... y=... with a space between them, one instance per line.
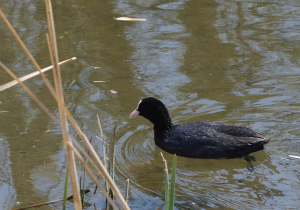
x=134 y=114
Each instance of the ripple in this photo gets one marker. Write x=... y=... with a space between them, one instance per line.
x=200 y=183
x=134 y=149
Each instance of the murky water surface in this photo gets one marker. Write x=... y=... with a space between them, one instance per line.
x=222 y=60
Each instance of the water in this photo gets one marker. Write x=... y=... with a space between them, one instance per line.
x=226 y=61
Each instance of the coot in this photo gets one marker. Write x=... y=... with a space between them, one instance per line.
x=199 y=139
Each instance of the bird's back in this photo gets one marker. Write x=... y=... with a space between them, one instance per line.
x=209 y=140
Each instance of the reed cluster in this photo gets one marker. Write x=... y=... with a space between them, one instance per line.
x=89 y=159
x=72 y=146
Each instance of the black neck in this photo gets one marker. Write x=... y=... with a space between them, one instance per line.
x=162 y=123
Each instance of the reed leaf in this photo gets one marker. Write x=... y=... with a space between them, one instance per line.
x=103 y=150
x=96 y=165
x=83 y=188
x=167 y=198
x=172 y=189
x=89 y=171
x=99 y=165
x=114 y=155
x=66 y=190
x=59 y=91
x=167 y=184
x=127 y=190
x=33 y=74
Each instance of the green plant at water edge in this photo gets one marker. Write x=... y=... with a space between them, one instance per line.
x=66 y=190
x=166 y=188
x=170 y=186
x=112 y=171
x=83 y=183
x=172 y=190
x=114 y=155
x=109 y=165
x=72 y=147
x=82 y=190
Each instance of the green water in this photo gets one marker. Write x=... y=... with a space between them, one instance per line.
x=226 y=61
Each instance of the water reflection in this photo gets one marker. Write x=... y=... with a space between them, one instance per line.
x=159 y=51
x=228 y=61
x=6 y=187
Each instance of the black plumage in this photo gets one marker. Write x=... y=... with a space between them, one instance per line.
x=199 y=139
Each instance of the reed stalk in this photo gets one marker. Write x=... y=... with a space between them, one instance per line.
x=33 y=74
x=34 y=97
x=172 y=188
x=59 y=91
x=114 y=154
x=169 y=186
x=11 y=28
x=83 y=188
x=103 y=149
x=84 y=175
x=89 y=171
x=112 y=165
x=167 y=196
x=166 y=176
x=30 y=93
x=55 y=65
x=126 y=190
x=66 y=190
x=98 y=163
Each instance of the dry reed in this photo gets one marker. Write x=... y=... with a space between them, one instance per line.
x=33 y=74
x=51 y=39
x=64 y=113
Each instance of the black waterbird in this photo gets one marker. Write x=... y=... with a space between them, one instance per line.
x=198 y=139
